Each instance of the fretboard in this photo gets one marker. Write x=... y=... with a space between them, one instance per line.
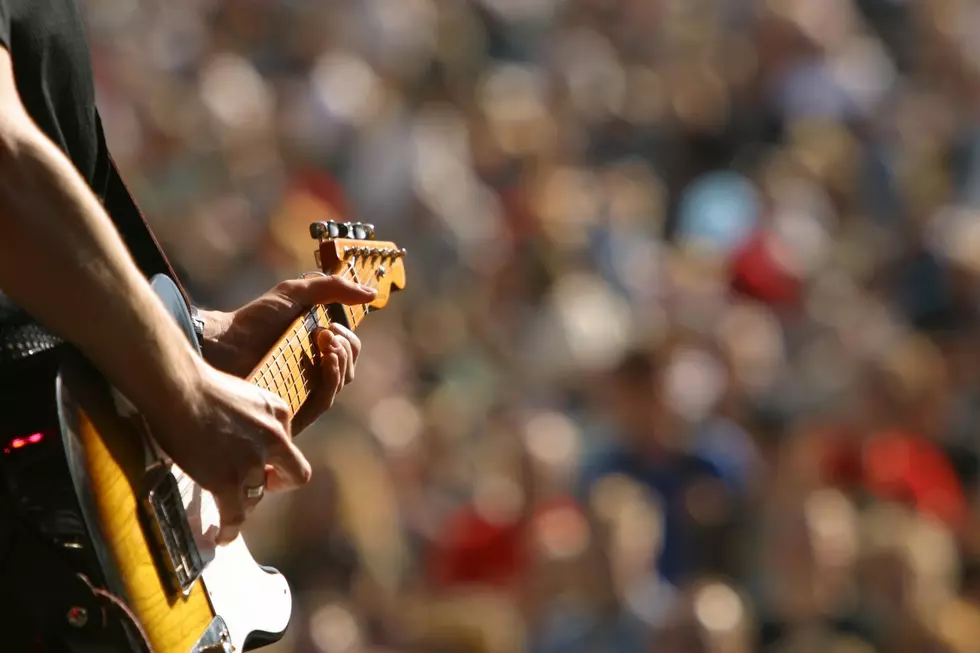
x=291 y=368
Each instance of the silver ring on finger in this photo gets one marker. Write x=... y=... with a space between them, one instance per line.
x=255 y=492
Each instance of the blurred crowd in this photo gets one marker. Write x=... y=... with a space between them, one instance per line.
x=689 y=357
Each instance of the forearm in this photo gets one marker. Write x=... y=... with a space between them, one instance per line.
x=63 y=262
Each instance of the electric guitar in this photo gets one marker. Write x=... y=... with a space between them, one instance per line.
x=146 y=529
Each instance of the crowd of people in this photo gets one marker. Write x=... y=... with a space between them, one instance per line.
x=689 y=357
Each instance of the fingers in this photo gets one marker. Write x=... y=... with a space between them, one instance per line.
x=345 y=354
x=291 y=467
x=277 y=408
x=353 y=346
x=274 y=481
x=333 y=289
x=333 y=366
x=231 y=507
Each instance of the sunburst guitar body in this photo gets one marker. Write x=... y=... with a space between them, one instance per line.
x=149 y=529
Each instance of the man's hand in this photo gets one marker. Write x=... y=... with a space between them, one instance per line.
x=235 y=342
x=229 y=436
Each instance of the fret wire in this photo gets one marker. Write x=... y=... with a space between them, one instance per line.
x=303 y=367
x=320 y=318
x=288 y=385
x=283 y=386
x=293 y=375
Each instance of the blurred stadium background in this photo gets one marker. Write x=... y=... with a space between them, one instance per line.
x=690 y=355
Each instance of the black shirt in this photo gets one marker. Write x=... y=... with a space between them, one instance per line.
x=53 y=72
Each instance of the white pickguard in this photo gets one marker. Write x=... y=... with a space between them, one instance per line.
x=247 y=597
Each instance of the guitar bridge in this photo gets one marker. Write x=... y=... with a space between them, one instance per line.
x=167 y=521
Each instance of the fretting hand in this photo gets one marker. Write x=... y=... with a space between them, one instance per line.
x=235 y=342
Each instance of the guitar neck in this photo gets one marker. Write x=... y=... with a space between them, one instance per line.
x=291 y=368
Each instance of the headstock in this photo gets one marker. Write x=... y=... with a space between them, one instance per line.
x=349 y=248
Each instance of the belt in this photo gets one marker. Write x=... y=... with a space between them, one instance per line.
x=22 y=341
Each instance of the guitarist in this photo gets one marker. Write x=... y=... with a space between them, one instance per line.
x=74 y=269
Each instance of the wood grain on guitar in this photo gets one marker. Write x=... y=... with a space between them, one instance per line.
x=115 y=464
x=116 y=460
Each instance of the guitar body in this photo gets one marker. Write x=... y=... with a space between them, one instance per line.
x=234 y=597
x=143 y=518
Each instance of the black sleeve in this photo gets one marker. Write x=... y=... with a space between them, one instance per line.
x=5 y=24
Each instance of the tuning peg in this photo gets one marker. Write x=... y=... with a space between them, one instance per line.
x=324 y=230
x=363 y=231
x=355 y=252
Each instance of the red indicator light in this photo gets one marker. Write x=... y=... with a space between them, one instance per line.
x=19 y=443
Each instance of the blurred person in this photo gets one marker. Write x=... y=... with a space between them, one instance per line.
x=644 y=445
x=896 y=446
x=805 y=550
x=594 y=587
x=906 y=574
x=709 y=617
x=73 y=255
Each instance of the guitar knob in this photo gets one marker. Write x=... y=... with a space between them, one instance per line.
x=368 y=231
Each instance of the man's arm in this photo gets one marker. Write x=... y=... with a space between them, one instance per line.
x=62 y=260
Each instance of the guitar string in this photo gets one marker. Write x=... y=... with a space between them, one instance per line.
x=285 y=346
